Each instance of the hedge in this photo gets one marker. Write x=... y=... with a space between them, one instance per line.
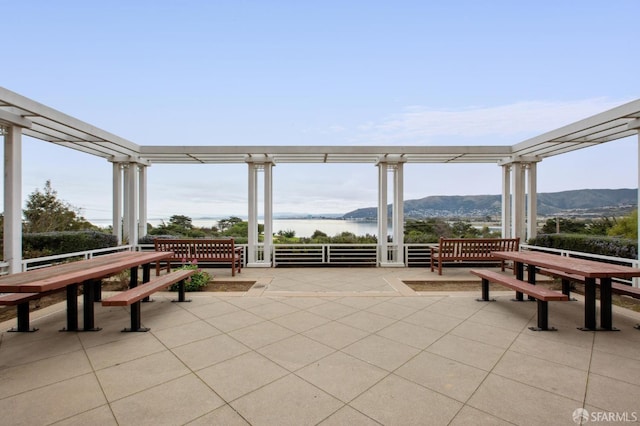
x=607 y=246
x=52 y=243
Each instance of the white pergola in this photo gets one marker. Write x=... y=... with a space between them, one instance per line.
x=22 y=116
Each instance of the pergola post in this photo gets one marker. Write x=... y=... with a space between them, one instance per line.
x=142 y=201
x=117 y=201
x=506 y=201
x=12 y=250
x=532 y=205
x=383 y=220
x=131 y=203
x=518 y=202
x=395 y=255
x=257 y=258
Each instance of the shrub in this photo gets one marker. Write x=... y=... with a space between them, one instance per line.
x=607 y=246
x=195 y=282
x=51 y=243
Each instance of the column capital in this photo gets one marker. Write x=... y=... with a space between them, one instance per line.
x=128 y=159
x=391 y=159
x=259 y=159
x=519 y=159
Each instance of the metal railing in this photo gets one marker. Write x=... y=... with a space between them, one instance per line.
x=415 y=255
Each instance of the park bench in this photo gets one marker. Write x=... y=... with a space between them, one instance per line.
x=134 y=295
x=541 y=294
x=200 y=250
x=471 y=250
x=21 y=301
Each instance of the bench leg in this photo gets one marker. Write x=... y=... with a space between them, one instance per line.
x=135 y=319
x=543 y=317
x=485 y=292
x=181 y=293
x=23 y=319
x=72 y=308
x=88 y=298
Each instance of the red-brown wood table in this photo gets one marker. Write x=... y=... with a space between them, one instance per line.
x=589 y=269
x=86 y=272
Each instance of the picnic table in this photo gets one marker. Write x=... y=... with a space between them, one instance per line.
x=590 y=270
x=70 y=275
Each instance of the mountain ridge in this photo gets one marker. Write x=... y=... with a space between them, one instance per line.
x=579 y=202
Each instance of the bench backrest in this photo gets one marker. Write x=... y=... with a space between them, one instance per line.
x=476 y=247
x=189 y=249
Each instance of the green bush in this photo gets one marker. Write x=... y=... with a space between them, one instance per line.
x=52 y=243
x=606 y=246
x=195 y=282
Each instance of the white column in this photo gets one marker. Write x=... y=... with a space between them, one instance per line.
x=391 y=254
x=142 y=201
x=253 y=215
x=131 y=204
x=532 y=205
x=268 y=213
x=506 y=201
x=518 y=203
x=398 y=213
x=13 y=198
x=117 y=202
x=255 y=259
x=383 y=245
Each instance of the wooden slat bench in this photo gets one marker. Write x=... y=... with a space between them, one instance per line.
x=200 y=250
x=470 y=250
x=21 y=301
x=541 y=294
x=133 y=296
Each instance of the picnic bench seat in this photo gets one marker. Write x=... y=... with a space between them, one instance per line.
x=567 y=278
x=21 y=301
x=201 y=250
x=134 y=295
x=541 y=294
x=470 y=250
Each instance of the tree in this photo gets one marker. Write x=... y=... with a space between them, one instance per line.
x=181 y=221
x=226 y=224
x=44 y=212
x=627 y=227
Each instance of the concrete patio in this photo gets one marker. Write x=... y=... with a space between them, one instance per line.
x=327 y=346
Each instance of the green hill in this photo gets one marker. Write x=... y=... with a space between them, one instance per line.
x=582 y=202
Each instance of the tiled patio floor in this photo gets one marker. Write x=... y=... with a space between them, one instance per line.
x=322 y=346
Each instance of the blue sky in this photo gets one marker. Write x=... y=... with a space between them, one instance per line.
x=320 y=73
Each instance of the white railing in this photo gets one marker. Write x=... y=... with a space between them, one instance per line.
x=321 y=255
x=42 y=262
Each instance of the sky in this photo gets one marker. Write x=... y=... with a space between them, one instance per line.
x=319 y=73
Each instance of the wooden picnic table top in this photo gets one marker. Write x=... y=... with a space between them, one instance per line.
x=59 y=276
x=573 y=265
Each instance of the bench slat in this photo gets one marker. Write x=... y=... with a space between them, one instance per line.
x=617 y=288
x=470 y=249
x=540 y=293
x=12 y=299
x=135 y=294
x=201 y=250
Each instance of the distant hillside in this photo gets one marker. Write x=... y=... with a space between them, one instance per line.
x=582 y=202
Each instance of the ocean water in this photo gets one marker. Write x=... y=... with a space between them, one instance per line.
x=302 y=227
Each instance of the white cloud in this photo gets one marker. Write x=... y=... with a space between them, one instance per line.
x=504 y=124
